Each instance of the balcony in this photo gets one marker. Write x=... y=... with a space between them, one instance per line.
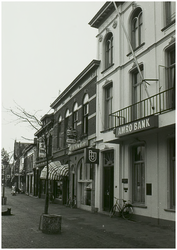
x=156 y=104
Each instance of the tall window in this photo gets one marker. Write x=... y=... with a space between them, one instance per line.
x=138 y=93
x=59 y=137
x=136 y=28
x=75 y=115
x=172 y=165
x=85 y=113
x=170 y=12
x=50 y=146
x=138 y=174
x=171 y=68
x=66 y=126
x=85 y=182
x=109 y=50
x=108 y=106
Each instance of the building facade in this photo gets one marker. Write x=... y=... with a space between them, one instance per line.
x=135 y=122
x=74 y=131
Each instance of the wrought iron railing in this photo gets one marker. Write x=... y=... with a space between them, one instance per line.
x=156 y=104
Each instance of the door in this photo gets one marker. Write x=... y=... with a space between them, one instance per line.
x=108 y=188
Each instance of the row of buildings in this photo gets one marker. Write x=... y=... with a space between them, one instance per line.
x=112 y=130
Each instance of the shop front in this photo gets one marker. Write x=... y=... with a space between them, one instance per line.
x=58 y=181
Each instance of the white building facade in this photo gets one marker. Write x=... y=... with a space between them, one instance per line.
x=135 y=130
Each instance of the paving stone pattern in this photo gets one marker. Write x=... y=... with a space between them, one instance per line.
x=80 y=229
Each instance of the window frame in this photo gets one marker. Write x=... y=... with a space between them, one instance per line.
x=136 y=32
x=108 y=50
x=85 y=114
x=108 y=101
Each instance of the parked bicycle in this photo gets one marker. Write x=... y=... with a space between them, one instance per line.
x=125 y=210
x=71 y=202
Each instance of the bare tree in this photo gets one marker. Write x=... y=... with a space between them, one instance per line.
x=22 y=116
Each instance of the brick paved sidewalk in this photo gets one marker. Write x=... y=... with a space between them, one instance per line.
x=80 y=229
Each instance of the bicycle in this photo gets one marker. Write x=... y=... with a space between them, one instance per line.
x=71 y=202
x=125 y=210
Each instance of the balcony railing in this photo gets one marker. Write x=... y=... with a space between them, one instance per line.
x=156 y=104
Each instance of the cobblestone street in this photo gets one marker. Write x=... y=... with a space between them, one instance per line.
x=80 y=229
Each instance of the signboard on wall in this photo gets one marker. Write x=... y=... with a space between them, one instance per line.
x=91 y=155
x=137 y=126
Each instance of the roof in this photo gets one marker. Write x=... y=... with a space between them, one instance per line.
x=93 y=65
x=106 y=10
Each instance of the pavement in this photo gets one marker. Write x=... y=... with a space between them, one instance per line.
x=79 y=228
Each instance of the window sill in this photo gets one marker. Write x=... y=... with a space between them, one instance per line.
x=170 y=210
x=136 y=49
x=139 y=205
x=107 y=130
x=107 y=68
x=168 y=25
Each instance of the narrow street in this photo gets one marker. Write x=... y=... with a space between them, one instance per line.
x=80 y=229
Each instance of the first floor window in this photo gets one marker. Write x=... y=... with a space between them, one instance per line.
x=138 y=174
x=170 y=12
x=108 y=106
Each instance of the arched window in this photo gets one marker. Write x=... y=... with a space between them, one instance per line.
x=59 y=137
x=66 y=126
x=85 y=114
x=109 y=50
x=75 y=115
x=136 y=28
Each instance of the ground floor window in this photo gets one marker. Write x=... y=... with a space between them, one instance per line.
x=138 y=174
x=85 y=193
x=172 y=181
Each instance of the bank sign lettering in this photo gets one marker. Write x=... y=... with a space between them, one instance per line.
x=91 y=155
x=137 y=126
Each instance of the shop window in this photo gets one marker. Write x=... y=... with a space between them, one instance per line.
x=138 y=174
x=85 y=182
x=108 y=89
x=136 y=28
x=59 y=137
x=75 y=116
x=172 y=170
x=85 y=114
x=170 y=12
x=108 y=50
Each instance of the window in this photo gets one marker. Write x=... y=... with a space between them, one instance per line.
x=50 y=146
x=136 y=28
x=172 y=181
x=171 y=69
x=138 y=174
x=108 y=106
x=85 y=182
x=85 y=114
x=109 y=50
x=138 y=93
x=59 y=137
x=170 y=12
x=75 y=115
x=66 y=126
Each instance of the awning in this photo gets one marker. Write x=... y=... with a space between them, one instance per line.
x=56 y=171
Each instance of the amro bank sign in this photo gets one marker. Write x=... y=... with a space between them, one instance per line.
x=137 y=126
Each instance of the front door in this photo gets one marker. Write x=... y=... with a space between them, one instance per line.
x=108 y=188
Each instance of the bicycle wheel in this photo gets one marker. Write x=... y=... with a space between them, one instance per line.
x=127 y=212
x=112 y=211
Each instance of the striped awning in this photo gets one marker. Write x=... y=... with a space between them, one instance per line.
x=56 y=171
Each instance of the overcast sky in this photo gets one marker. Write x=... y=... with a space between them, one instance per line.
x=45 y=46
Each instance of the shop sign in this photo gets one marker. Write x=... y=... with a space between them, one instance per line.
x=70 y=141
x=137 y=126
x=91 y=155
x=76 y=146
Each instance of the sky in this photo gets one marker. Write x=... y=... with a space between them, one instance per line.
x=44 y=47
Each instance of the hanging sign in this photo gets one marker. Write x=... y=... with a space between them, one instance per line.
x=91 y=155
